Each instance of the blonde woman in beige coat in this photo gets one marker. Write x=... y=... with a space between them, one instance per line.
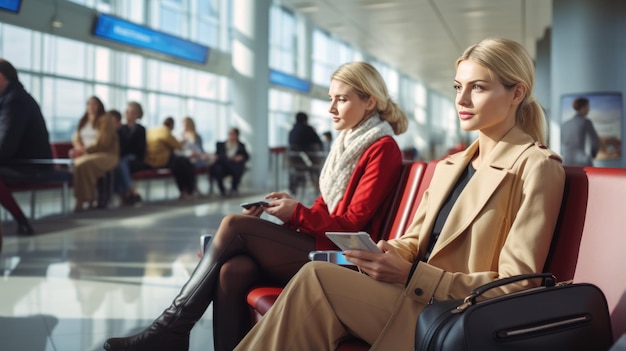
x=95 y=151
x=489 y=213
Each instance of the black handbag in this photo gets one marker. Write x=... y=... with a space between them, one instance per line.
x=549 y=317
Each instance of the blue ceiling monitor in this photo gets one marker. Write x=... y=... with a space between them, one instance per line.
x=121 y=31
x=10 y=5
x=289 y=81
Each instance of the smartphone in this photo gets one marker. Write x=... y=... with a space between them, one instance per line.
x=205 y=239
x=332 y=256
x=353 y=241
x=249 y=205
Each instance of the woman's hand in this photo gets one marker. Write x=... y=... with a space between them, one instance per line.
x=76 y=152
x=388 y=266
x=281 y=206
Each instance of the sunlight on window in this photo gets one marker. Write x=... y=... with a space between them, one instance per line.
x=17 y=46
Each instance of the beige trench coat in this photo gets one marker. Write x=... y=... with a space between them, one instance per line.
x=501 y=225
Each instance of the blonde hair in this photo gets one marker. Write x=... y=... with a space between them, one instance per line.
x=366 y=81
x=511 y=64
x=189 y=127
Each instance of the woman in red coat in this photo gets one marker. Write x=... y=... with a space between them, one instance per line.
x=356 y=182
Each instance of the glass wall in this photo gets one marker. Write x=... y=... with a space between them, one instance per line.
x=433 y=125
x=62 y=73
x=71 y=71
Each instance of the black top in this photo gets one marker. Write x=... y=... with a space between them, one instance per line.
x=133 y=141
x=303 y=137
x=443 y=214
x=220 y=150
x=447 y=207
x=23 y=132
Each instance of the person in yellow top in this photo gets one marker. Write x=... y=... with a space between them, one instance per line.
x=95 y=151
x=160 y=146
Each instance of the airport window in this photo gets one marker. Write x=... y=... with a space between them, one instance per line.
x=102 y=64
x=161 y=106
x=172 y=18
x=169 y=76
x=328 y=54
x=281 y=111
x=443 y=123
x=17 y=46
x=133 y=10
x=61 y=74
x=208 y=86
x=65 y=57
x=134 y=69
x=63 y=103
x=100 y=5
x=320 y=117
x=390 y=76
x=283 y=40
x=206 y=22
x=323 y=67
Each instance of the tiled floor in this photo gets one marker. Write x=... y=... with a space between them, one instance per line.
x=86 y=277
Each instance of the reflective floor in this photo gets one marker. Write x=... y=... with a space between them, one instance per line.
x=89 y=276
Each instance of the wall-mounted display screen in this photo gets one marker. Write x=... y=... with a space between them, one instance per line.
x=289 y=81
x=10 y=5
x=131 y=34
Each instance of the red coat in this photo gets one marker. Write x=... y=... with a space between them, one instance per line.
x=365 y=202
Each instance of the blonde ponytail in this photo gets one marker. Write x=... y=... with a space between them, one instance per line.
x=392 y=113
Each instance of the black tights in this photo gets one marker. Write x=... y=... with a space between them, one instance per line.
x=253 y=251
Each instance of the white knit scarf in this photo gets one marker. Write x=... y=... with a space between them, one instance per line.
x=344 y=155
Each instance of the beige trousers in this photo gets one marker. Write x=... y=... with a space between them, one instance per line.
x=87 y=169
x=322 y=305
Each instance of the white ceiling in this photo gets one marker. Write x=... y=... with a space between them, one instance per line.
x=423 y=38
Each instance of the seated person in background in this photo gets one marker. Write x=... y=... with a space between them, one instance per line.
x=192 y=145
x=23 y=135
x=133 y=142
x=360 y=176
x=328 y=140
x=302 y=137
x=230 y=160
x=161 y=145
x=95 y=151
x=123 y=181
x=489 y=213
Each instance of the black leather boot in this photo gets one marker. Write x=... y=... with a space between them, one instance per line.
x=170 y=331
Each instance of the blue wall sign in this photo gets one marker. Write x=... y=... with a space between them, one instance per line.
x=289 y=81
x=125 y=32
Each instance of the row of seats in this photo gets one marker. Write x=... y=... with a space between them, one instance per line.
x=60 y=150
x=588 y=244
x=60 y=154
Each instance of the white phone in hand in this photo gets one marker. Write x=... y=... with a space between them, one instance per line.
x=353 y=241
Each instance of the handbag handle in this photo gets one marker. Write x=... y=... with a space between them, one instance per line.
x=547 y=280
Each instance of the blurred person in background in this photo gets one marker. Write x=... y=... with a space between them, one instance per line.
x=161 y=146
x=192 y=145
x=23 y=135
x=576 y=134
x=230 y=160
x=95 y=152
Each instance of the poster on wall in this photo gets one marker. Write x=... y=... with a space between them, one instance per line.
x=591 y=125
